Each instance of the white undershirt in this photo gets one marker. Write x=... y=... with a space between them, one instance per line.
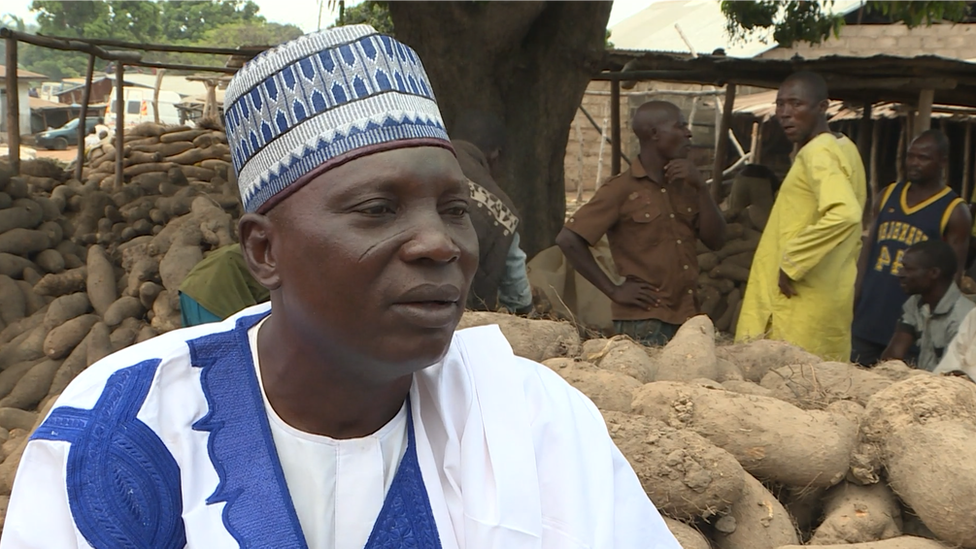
x=337 y=486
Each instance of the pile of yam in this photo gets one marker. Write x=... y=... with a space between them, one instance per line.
x=762 y=445
x=724 y=273
x=87 y=269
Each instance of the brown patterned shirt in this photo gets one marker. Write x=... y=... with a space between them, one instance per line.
x=652 y=229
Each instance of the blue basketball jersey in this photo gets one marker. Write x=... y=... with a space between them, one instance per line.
x=898 y=226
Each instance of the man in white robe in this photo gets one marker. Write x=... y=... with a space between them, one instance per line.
x=347 y=413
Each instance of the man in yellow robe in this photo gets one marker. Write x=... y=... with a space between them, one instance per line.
x=801 y=286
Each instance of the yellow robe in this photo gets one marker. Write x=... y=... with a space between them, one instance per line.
x=814 y=236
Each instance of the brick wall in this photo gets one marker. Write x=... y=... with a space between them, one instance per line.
x=946 y=40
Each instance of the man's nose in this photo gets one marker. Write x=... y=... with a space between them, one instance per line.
x=431 y=240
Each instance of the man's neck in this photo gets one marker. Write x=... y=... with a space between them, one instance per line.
x=935 y=294
x=312 y=397
x=926 y=186
x=821 y=127
x=653 y=163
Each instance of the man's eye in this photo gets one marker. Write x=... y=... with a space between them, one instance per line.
x=377 y=209
x=457 y=211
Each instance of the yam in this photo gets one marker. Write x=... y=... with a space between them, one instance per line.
x=687 y=536
x=772 y=439
x=13 y=304
x=61 y=340
x=27 y=346
x=32 y=387
x=611 y=391
x=683 y=474
x=185 y=135
x=746 y=388
x=20 y=217
x=50 y=261
x=756 y=358
x=761 y=521
x=743 y=260
x=930 y=466
x=733 y=301
x=165 y=318
x=14 y=418
x=730 y=271
x=50 y=209
x=10 y=376
x=18 y=328
x=17 y=188
x=622 y=355
x=149 y=182
x=536 y=340
x=853 y=411
x=896 y=370
x=76 y=362
x=141 y=157
x=690 y=354
x=99 y=343
x=180 y=260
x=145 y=334
x=24 y=242
x=174 y=206
x=856 y=514
x=65 y=308
x=148 y=291
x=125 y=333
x=53 y=231
x=145 y=129
x=123 y=308
x=33 y=301
x=902 y=542
x=710 y=298
x=5 y=201
x=814 y=386
x=13 y=265
x=737 y=247
x=101 y=280
x=138 y=169
x=195 y=155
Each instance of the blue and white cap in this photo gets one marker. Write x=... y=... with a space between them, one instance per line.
x=321 y=100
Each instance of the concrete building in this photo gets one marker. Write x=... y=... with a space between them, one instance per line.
x=25 y=79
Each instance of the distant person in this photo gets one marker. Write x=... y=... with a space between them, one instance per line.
x=653 y=214
x=479 y=140
x=218 y=287
x=922 y=208
x=932 y=316
x=753 y=190
x=801 y=284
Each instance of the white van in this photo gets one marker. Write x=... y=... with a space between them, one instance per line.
x=139 y=107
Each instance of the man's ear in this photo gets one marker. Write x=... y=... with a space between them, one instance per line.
x=824 y=105
x=258 y=248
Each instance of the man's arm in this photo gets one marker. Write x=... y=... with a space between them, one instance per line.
x=711 y=224
x=840 y=215
x=514 y=290
x=38 y=515
x=957 y=235
x=577 y=252
x=862 y=259
x=900 y=343
x=952 y=360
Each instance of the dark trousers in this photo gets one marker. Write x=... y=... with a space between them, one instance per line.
x=866 y=353
x=650 y=332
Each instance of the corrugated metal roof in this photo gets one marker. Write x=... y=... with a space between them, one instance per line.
x=763 y=105
x=22 y=74
x=702 y=23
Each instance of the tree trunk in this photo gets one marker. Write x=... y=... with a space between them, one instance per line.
x=529 y=64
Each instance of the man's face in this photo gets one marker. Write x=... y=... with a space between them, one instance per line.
x=674 y=137
x=797 y=114
x=923 y=161
x=914 y=277
x=375 y=258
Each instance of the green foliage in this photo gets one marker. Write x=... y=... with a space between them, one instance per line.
x=813 y=22
x=188 y=22
x=370 y=13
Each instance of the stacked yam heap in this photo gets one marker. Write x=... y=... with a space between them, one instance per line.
x=754 y=446
x=723 y=273
x=87 y=269
x=764 y=446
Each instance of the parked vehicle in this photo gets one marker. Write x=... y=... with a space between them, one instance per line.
x=59 y=139
x=139 y=108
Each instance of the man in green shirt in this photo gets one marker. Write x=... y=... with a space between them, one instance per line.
x=218 y=287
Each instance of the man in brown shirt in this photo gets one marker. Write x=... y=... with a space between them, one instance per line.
x=652 y=215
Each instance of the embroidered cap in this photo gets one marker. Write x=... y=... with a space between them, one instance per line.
x=321 y=100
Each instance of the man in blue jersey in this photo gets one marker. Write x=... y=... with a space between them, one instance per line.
x=922 y=208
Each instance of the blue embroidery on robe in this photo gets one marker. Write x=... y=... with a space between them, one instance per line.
x=259 y=511
x=406 y=519
x=123 y=484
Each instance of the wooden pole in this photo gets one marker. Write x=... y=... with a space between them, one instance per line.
x=875 y=137
x=83 y=117
x=722 y=142
x=599 y=160
x=614 y=127
x=13 y=107
x=159 y=82
x=966 y=161
x=579 y=162
x=119 y=122
x=924 y=119
x=864 y=133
